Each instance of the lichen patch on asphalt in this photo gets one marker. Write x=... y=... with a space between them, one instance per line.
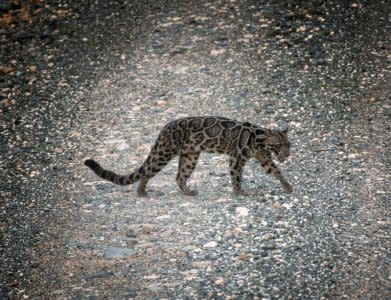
x=101 y=81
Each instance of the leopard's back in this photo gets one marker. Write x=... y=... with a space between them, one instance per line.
x=210 y=134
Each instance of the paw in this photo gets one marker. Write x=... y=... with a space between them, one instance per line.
x=287 y=187
x=241 y=192
x=142 y=194
x=191 y=193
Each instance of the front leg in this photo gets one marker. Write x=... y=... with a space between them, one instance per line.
x=271 y=168
x=236 y=165
x=285 y=184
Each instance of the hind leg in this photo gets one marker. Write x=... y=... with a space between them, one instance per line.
x=157 y=159
x=236 y=165
x=141 y=187
x=187 y=163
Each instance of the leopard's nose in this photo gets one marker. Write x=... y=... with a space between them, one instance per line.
x=281 y=158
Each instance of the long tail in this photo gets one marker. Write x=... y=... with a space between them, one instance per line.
x=111 y=176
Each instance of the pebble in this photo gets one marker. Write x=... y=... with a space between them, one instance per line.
x=241 y=212
x=161 y=102
x=228 y=235
x=277 y=204
x=287 y=205
x=131 y=233
x=116 y=252
x=163 y=217
x=238 y=231
x=211 y=244
x=105 y=187
x=167 y=233
x=217 y=52
x=267 y=236
x=148 y=228
x=203 y=264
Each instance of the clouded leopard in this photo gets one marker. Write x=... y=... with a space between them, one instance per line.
x=188 y=137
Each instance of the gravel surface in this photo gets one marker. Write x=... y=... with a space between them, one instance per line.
x=100 y=78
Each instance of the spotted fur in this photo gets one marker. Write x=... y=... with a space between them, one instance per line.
x=188 y=137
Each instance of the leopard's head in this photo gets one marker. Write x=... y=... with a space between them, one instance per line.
x=278 y=144
x=271 y=141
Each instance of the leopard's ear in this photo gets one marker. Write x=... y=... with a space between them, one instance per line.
x=283 y=126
